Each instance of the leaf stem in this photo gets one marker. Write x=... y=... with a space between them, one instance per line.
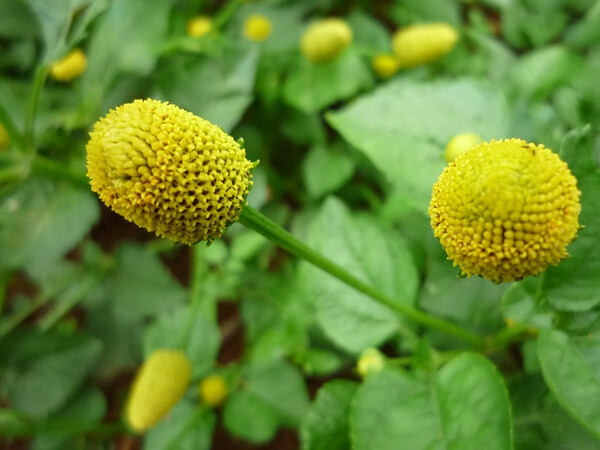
x=38 y=84
x=13 y=133
x=49 y=168
x=253 y=219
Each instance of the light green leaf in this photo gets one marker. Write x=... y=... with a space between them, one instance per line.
x=571 y=368
x=247 y=416
x=325 y=170
x=188 y=427
x=373 y=254
x=407 y=12
x=403 y=127
x=524 y=302
x=325 y=426
x=466 y=407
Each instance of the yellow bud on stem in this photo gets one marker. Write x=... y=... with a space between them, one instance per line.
x=199 y=26
x=257 y=28
x=385 y=66
x=325 y=40
x=69 y=67
x=213 y=391
x=460 y=144
x=420 y=44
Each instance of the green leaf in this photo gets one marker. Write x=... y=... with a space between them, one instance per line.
x=188 y=427
x=311 y=87
x=373 y=254
x=325 y=170
x=571 y=368
x=247 y=416
x=143 y=286
x=43 y=384
x=368 y=34
x=408 y=12
x=524 y=302
x=573 y=285
x=403 y=127
x=325 y=426
x=391 y=408
x=40 y=222
x=532 y=22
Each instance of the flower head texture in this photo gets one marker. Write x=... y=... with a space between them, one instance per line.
x=325 y=40
x=505 y=210
x=70 y=67
x=257 y=28
x=420 y=44
x=213 y=391
x=385 y=66
x=168 y=171
x=159 y=385
x=199 y=26
x=459 y=144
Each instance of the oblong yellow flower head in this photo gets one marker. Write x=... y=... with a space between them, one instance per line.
x=70 y=67
x=325 y=39
x=257 y=27
x=421 y=44
x=213 y=391
x=505 y=209
x=459 y=144
x=199 y=26
x=385 y=66
x=158 y=386
x=168 y=171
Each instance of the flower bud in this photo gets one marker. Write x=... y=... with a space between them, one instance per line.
x=4 y=138
x=70 y=67
x=325 y=40
x=460 y=144
x=257 y=28
x=385 y=66
x=371 y=361
x=213 y=391
x=168 y=171
x=199 y=26
x=158 y=386
x=420 y=44
x=505 y=210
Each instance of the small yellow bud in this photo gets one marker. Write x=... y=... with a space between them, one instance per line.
x=325 y=40
x=199 y=26
x=70 y=67
x=385 y=66
x=421 y=44
x=257 y=28
x=506 y=209
x=168 y=171
x=213 y=391
x=158 y=386
x=371 y=361
x=460 y=144
x=4 y=138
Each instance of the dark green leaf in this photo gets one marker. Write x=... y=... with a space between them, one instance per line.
x=325 y=170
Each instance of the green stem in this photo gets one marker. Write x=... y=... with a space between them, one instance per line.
x=226 y=13
x=13 y=133
x=38 y=84
x=49 y=168
x=508 y=335
x=201 y=301
x=269 y=229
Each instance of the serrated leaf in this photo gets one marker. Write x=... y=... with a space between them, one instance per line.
x=403 y=127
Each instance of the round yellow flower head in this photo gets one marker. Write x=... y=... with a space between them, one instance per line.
x=213 y=391
x=257 y=27
x=421 y=44
x=505 y=209
x=70 y=67
x=325 y=40
x=371 y=361
x=168 y=171
x=199 y=26
x=4 y=138
x=385 y=66
x=460 y=144
x=158 y=386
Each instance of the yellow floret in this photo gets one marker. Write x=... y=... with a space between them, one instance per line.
x=459 y=144
x=421 y=44
x=257 y=28
x=158 y=386
x=505 y=210
x=70 y=67
x=371 y=361
x=168 y=171
x=4 y=138
x=213 y=391
x=199 y=26
x=385 y=65
x=325 y=40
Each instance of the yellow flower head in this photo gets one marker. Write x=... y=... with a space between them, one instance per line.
x=505 y=209
x=421 y=44
x=325 y=39
x=168 y=171
x=371 y=361
x=385 y=66
x=158 y=386
x=199 y=26
x=257 y=28
x=70 y=67
x=213 y=391
x=4 y=138
x=459 y=144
